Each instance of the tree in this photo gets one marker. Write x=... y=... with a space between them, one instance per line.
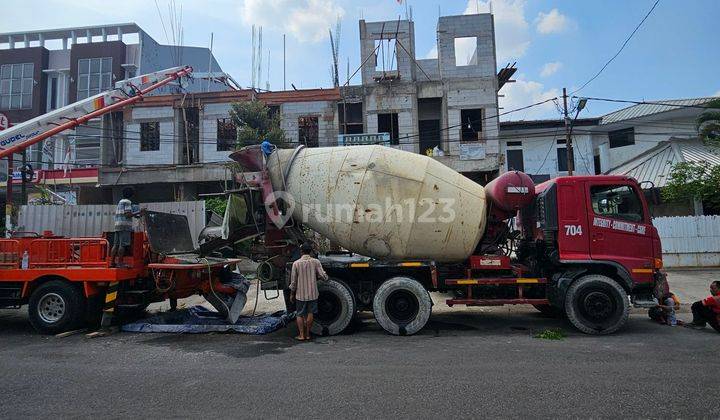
x=708 y=124
x=694 y=180
x=216 y=204
x=255 y=124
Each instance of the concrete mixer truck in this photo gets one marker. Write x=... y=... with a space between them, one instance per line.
x=579 y=246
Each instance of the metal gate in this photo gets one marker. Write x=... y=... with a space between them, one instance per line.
x=92 y=220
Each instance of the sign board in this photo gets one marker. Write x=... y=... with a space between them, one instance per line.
x=360 y=139
x=17 y=176
x=472 y=151
x=4 y=121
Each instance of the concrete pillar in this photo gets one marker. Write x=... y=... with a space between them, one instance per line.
x=604 y=152
x=11 y=43
x=64 y=44
x=73 y=37
x=698 y=207
x=119 y=34
x=65 y=88
x=104 y=35
x=41 y=39
x=88 y=35
x=26 y=41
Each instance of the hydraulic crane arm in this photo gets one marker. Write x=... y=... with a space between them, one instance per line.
x=126 y=92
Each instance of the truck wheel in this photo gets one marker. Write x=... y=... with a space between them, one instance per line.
x=402 y=306
x=549 y=310
x=56 y=306
x=336 y=308
x=596 y=304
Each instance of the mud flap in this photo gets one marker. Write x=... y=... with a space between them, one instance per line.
x=230 y=306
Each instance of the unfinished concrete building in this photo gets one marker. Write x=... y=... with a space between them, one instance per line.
x=176 y=147
x=448 y=103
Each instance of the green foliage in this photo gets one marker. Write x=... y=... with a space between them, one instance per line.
x=694 y=180
x=551 y=334
x=708 y=124
x=254 y=124
x=216 y=204
x=240 y=248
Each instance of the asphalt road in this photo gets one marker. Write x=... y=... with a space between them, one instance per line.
x=464 y=364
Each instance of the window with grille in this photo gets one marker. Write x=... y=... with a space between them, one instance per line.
x=16 y=86
x=149 y=136
x=87 y=143
x=94 y=76
x=515 y=161
x=308 y=133
x=226 y=135
x=354 y=122
x=388 y=123
x=620 y=138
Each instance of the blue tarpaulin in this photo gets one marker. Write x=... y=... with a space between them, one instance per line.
x=198 y=319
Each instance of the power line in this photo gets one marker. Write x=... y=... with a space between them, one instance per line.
x=620 y=50
x=479 y=120
x=176 y=139
x=553 y=145
x=406 y=136
x=659 y=103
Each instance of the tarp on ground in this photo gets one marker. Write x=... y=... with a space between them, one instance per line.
x=197 y=320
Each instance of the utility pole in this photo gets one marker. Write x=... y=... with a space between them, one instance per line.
x=210 y=61
x=23 y=178
x=9 y=209
x=284 y=87
x=568 y=137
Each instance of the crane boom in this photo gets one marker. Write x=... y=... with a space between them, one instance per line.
x=126 y=92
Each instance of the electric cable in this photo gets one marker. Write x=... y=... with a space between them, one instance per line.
x=620 y=50
x=658 y=103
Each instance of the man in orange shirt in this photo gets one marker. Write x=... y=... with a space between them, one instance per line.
x=707 y=311
x=303 y=289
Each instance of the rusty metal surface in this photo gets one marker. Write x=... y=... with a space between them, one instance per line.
x=168 y=233
x=363 y=197
x=93 y=220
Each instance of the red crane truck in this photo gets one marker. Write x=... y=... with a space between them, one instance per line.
x=68 y=281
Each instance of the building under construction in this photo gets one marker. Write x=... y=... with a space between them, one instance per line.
x=446 y=107
x=175 y=146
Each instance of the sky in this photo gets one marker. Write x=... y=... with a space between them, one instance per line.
x=555 y=43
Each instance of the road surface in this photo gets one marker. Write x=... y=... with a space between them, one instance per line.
x=464 y=364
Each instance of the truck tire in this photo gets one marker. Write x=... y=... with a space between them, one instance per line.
x=402 y=306
x=336 y=308
x=56 y=306
x=596 y=304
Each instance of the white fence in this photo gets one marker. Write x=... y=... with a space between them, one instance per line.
x=690 y=241
x=93 y=220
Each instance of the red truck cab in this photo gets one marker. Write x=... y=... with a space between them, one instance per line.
x=605 y=218
x=602 y=222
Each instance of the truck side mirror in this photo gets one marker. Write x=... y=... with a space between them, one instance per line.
x=652 y=194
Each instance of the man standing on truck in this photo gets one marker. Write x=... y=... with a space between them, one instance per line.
x=303 y=289
x=707 y=311
x=123 y=227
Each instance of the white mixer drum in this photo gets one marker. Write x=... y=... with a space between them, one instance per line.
x=383 y=202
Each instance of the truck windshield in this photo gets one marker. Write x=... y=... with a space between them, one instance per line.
x=617 y=202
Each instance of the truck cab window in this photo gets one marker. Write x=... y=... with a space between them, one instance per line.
x=617 y=202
